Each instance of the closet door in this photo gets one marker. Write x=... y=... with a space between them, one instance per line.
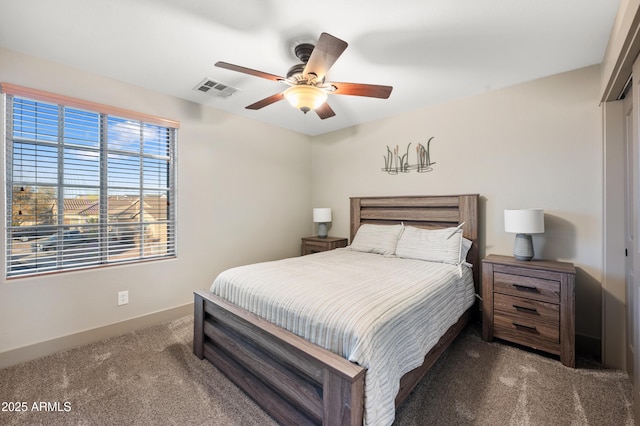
x=628 y=215
x=633 y=225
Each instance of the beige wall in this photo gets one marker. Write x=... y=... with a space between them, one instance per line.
x=536 y=144
x=244 y=196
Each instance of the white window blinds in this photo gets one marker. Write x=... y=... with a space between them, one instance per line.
x=85 y=188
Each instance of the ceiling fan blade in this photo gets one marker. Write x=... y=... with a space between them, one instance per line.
x=266 y=101
x=249 y=71
x=326 y=52
x=356 y=89
x=324 y=111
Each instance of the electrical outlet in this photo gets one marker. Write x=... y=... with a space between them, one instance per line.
x=123 y=297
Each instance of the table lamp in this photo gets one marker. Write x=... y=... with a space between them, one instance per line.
x=322 y=216
x=523 y=223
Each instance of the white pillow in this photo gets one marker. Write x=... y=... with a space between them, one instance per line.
x=381 y=239
x=466 y=246
x=434 y=245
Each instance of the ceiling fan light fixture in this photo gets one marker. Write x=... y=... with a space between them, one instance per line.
x=305 y=98
x=308 y=89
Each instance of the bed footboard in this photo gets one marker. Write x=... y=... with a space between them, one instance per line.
x=295 y=381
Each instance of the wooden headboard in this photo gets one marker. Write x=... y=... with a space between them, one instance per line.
x=431 y=212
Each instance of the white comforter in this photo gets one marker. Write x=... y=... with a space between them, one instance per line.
x=383 y=313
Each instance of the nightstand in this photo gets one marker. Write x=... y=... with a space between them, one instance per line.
x=531 y=303
x=317 y=244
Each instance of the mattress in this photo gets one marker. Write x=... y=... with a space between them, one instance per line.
x=382 y=312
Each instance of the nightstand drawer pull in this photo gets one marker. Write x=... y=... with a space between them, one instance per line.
x=526 y=327
x=526 y=309
x=526 y=288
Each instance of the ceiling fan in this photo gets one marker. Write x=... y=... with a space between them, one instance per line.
x=308 y=89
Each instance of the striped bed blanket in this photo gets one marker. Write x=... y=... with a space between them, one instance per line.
x=382 y=312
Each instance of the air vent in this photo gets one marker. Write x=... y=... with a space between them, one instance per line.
x=215 y=88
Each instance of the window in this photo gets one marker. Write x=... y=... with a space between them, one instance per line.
x=86 y=185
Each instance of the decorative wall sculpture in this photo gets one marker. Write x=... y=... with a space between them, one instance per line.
x=395 y=162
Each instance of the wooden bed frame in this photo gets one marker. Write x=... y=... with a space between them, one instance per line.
x=298 y=382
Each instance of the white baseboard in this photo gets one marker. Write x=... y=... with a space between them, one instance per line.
x=48 y=347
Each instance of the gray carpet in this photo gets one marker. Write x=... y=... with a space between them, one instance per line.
x=151 y=377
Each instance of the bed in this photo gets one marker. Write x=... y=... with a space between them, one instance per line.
x=297 y=381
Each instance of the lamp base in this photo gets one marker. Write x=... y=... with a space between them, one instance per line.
x=523 y=247
x=322 y=230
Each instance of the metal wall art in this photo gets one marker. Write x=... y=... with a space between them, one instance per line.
x=395 y=162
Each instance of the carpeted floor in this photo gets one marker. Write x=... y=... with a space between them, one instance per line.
x=151 y=377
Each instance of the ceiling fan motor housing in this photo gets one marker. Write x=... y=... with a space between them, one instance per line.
x=297 y=69
x=303 y=51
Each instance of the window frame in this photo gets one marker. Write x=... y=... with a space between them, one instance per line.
x=104 y=113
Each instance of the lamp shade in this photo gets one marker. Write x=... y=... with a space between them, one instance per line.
x=305 y=98
x=525 y=221
x=322 y=215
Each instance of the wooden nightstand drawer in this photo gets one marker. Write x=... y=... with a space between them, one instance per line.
x=529 y=287
x=527 y=331
x=528 y=272
x=312 y=245
x=527 y=309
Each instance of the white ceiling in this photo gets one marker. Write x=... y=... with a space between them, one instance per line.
x=430 y=51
